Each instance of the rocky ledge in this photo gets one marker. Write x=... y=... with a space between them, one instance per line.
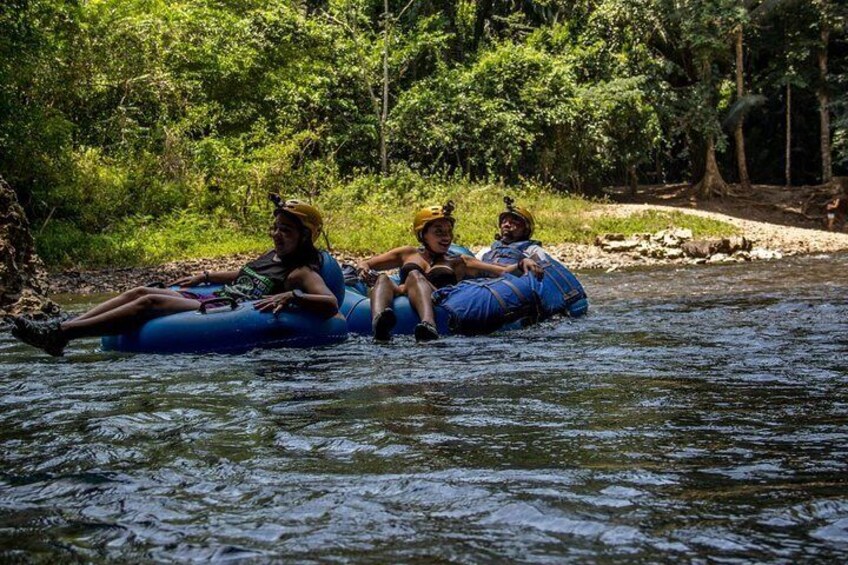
x=678 y=245
x=22 y=278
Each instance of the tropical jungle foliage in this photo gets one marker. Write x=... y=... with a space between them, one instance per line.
x=118 y=115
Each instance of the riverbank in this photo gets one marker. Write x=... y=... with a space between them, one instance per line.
x=778 y=239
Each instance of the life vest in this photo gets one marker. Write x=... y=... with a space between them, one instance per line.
x=559 y=291
x=507 y=254
x=481 y=306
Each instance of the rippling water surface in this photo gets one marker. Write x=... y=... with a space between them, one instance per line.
x=697 y=414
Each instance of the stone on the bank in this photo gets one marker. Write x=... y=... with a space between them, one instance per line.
x=720 y=258
x=671 y=237
x=615 y=246
x=709 y=247
x=742 y=256
x=601 y=239
x=699 y=248
x=656 y=252
x=731 y=245
x=762 y=254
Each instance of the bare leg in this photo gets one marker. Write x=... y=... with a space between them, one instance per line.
x=128 y=316
x=383 y=318
x=125 y=298
x=382 y=295
x=420 y=293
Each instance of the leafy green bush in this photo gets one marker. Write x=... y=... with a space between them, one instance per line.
x=140 y=240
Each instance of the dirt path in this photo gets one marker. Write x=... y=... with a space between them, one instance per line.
x=790 y=240
x=786 y=240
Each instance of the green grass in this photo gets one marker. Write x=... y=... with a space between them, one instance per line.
x=651 y=221
x=368 y=215
x=370 y=224
x=143 y=241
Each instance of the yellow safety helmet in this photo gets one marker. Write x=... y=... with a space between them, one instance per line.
x=307 y=215
x=523 y=213
x=431 y=214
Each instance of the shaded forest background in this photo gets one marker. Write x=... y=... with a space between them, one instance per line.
x=115 y=114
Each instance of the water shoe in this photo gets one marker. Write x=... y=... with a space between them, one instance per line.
x=383 y=324
x=44 y=335
x=425 y=331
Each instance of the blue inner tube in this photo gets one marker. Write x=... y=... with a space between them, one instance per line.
x=356 y=307
x=236 y=329
x=481 y=306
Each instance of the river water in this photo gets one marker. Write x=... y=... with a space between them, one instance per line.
x=696 y=415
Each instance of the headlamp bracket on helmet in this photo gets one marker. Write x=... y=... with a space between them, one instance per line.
x=513 y=210
x=280 y=203
x=448 y=209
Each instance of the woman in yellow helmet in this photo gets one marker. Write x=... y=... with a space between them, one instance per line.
x=423 y=269
x=287 y=274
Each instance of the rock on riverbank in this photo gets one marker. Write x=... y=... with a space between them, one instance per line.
x=22 y=280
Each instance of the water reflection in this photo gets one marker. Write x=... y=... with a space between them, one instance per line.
x=697 y=414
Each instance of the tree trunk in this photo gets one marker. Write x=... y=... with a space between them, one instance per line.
x=482 y=14
x=824 y=110
x=788 y=134
x=384 y=114
x=634 y=180
x=712 y=184
x=739 y=136
x=449 y=9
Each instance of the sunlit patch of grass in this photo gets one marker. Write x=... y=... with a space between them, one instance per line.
x=372 y=225
x=137 y=242
x=650 y=221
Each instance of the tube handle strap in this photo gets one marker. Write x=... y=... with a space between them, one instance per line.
x=222 y=300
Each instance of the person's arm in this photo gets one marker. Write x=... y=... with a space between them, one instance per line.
x=314 y=296
x=217 y=277
x=391 y=259
x=475 y=267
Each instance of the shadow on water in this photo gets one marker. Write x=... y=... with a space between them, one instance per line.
x=696 y=414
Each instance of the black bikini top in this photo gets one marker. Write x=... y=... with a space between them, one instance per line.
x=438 y=275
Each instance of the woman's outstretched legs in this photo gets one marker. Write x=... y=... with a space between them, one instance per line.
x=420 y=293
x=125 y=298
x=127 y=316
x=120 y=316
